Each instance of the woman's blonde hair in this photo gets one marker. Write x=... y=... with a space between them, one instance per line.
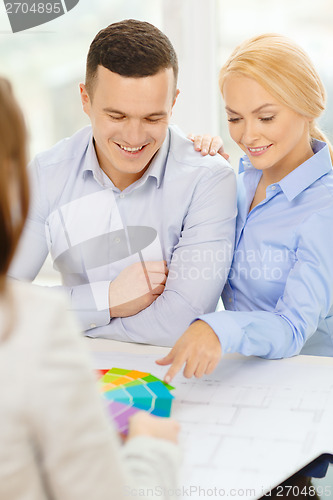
x=14 y=189
x=282 y=68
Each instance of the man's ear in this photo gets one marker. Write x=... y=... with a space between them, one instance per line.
x=176 y=95
x=85 y=99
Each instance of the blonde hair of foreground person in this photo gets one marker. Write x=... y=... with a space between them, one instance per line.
x=55 y=440
x=284 y=70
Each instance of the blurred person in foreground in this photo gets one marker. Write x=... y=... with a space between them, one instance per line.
x=55 y=440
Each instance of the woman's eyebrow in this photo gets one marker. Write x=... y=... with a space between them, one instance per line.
x=260 y=108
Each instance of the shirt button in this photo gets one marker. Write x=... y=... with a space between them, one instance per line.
x=273 y=188
x=92 y=325
x=117 y=240
x=122 y=196
x=229 y=300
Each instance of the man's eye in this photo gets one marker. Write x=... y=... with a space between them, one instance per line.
x=116 y=118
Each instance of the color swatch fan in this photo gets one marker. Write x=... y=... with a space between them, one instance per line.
x=128 y=391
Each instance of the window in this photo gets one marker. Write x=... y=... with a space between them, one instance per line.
x=308 y=23
x=47 y=63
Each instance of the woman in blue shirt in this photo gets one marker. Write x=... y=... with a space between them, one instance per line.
x=279 y=294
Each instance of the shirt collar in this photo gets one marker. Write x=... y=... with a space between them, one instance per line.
x=305 y=174
x=156 y=168
x=91 y=163
x=308 y=172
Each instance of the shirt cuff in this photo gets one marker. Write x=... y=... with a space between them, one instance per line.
x=229 y=332
x=90 y=303
x=100 y=291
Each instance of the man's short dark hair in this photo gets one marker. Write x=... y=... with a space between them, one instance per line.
x=130 y=48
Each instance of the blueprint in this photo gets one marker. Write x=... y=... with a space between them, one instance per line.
x=249 y=425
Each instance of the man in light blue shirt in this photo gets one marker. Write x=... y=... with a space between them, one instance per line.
x=142 y=237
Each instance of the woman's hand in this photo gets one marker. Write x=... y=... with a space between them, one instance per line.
x=207 y=144
x=199 y=348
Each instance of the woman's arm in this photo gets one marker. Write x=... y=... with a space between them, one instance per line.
x=79 y=451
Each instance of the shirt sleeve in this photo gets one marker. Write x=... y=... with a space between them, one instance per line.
x=33 y=248
x=306 y=301
x=88 y=301
x=198 y=269
x=81 y=456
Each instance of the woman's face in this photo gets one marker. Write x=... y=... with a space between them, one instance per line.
x=275 y=138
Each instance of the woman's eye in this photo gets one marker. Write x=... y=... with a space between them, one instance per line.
x=267 y=119
x=233 y=120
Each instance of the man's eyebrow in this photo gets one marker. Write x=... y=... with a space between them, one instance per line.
x=111 y=110
x=118 y=112
x=263 y=106
x=157 y=113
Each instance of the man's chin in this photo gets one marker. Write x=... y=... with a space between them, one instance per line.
x=133 y=168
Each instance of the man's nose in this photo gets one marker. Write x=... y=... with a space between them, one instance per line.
x=134 y=133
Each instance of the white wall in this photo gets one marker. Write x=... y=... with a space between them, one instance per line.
x=191 y=26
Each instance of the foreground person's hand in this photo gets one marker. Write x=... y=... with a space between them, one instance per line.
x=145 y=424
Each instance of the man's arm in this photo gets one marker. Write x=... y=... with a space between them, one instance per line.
x=33 y=248
x=127 y=294
x=134 y=289
x=198 y=269
x=208 y=228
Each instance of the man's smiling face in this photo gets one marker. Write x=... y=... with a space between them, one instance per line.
x=129 y=118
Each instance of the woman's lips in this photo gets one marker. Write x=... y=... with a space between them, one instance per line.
x=259 y=150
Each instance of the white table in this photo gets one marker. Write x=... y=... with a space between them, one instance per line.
x=248 y=426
